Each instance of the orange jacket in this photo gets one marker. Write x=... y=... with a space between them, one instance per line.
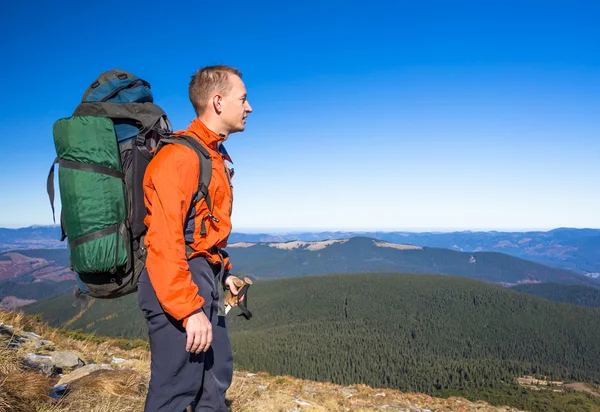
x=170 y=182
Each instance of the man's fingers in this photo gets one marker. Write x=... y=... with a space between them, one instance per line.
x=197 y=342
x=209 y=339
x=190 y=342
x=201 y=342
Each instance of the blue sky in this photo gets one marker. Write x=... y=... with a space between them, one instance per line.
x=367 y=115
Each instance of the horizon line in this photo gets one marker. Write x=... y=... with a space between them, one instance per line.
x=295 y=230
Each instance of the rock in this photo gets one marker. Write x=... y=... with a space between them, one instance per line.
x=262 y=388
x=66 y=360
x=42 y=364
x=31 y=336
x=251 y=374
x=81 y=372
x=33 y=356
x=7 y=330
x=14 y=343
x=301 y=403
x=42 y=343
x=383 y=394
x=58 y=391
x=308 y=390
x=123 y=362
x=347 y=392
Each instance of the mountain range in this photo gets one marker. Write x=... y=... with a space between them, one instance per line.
x=362 y=254
x=37 y=274
x=567 y=248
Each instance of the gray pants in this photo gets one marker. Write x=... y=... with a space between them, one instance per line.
x=178 y=378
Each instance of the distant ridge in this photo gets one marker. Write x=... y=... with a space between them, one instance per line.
x=567 y=248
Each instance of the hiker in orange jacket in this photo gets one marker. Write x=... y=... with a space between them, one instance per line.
x=191 y=366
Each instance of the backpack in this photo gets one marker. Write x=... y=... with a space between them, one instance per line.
x=103 y=151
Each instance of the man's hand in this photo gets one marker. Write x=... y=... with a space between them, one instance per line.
x=231 y=283
x=199 y=333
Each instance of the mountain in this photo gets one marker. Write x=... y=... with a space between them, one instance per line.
x=573 y=294
x=33 y=237
x=34 y=274
x=441 y=335
x=38 y=274
x=572 y=249
x=567 y=248
x=361 y=254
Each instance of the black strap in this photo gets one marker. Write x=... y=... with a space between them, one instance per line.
x=79 y=166
x=91 y=168
x=63 y=228
x=204 y=178
x=205 y=165
x=95 y=235
x=50 y=188
x=140 y=143
x=243 y=304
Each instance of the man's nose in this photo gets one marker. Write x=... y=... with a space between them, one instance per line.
x=248 y=107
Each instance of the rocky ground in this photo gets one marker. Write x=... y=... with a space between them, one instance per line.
x=43 y=370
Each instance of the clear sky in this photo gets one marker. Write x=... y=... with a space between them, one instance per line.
x=367 y=115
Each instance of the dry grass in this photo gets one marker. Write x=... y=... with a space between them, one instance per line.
x=94 y=403
x=23 y=391
x=112 y=383
x=104 y=391
x=262 y=392
x=9 y=360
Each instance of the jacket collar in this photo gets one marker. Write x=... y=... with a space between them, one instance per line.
x=211 y=139
x=224 y=153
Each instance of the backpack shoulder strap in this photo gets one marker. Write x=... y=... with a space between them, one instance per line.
x=205 y=165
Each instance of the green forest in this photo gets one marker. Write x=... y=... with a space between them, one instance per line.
x=574 y=294
x=37 y=290
x=441 y=335
x=432 y=334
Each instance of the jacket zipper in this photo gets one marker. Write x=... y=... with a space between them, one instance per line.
x=226 y=169
x=209 y=214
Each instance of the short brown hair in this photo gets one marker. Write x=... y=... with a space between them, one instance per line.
x=207 y=80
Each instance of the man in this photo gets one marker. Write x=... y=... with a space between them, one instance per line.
x=191 y=366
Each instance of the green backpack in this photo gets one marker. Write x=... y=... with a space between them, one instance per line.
x=103 y=151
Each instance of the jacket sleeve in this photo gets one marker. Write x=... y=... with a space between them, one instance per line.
x=172 y=181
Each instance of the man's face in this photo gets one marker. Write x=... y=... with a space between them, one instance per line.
x=235 y=106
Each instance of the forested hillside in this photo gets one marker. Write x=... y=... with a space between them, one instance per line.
x=579 y=295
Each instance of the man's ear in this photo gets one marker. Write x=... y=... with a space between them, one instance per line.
x=217 y=102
